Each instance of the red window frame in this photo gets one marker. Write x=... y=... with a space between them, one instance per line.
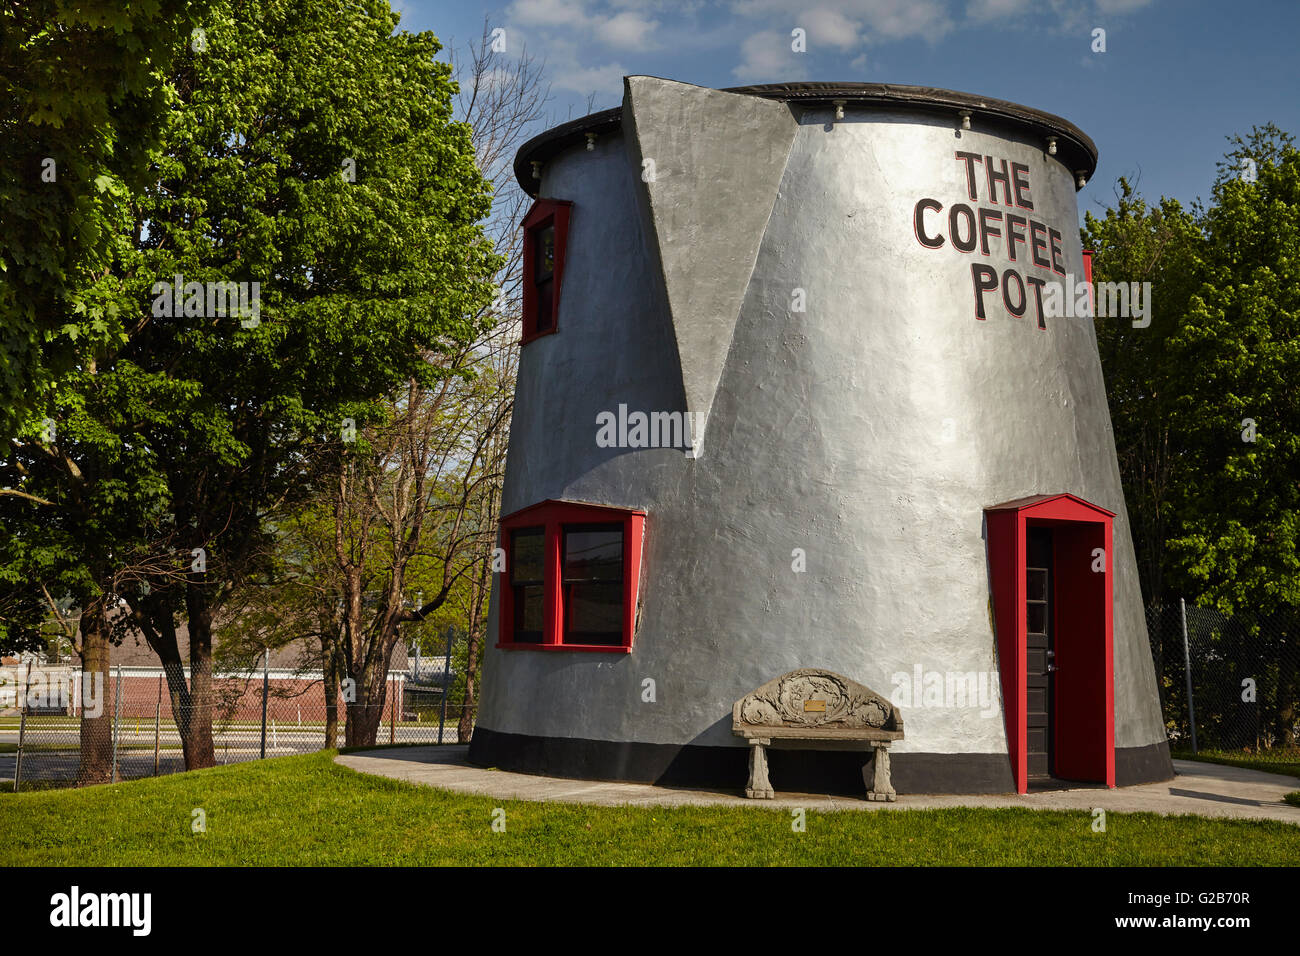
x=545 y=212
x=553 y=516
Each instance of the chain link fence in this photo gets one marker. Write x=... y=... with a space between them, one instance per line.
x=1228 y=684
x=59 y=728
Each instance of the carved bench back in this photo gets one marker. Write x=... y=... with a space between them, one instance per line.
x=819 y=701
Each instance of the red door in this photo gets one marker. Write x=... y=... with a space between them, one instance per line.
x=1055 y=635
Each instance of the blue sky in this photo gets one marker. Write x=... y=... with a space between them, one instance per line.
x=1176 y=77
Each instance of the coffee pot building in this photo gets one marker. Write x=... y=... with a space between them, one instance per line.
x=796 y=392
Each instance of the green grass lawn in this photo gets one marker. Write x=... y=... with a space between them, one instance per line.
x=305 y=810
x=1237 y=758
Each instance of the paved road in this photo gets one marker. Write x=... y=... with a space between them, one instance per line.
x=1204 y=789
x=135 y=758
x=305 y=738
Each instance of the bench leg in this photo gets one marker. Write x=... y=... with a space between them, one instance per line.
x=760 y=788
x=876 y=776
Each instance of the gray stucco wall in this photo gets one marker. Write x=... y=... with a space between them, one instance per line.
x=871 y=431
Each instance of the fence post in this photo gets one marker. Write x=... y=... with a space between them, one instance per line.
x=266 y=687
x=157 y=725
x=392 y=709
x=1187 y=665
x=22 y=731
x=446 y=673
x=22 y=725
x=117 y=718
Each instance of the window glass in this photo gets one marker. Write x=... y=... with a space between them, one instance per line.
x=594 y=613
x=1036 y=583
x=593 y=554
x=527 y=572
x=593 y=585
x=529 y=613
x=528 y=561
x=545 y=306
x=545 y=265
x=1035 y=617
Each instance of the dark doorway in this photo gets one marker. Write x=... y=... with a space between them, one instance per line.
x=1039 y=652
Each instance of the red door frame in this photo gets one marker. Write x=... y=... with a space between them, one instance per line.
x=1084 y=706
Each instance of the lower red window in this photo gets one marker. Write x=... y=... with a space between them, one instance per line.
x=571 y=577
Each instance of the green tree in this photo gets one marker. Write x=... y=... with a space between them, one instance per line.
x=1135 y=242
x=84 y=93
x=1238 y=409
x=312 y=151
x=410 y=514
x=1204 y=403
x=1237 y=544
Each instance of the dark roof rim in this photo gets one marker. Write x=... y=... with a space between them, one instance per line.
x=1073 y=143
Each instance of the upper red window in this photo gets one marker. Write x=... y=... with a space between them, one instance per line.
x=571 y=577
x=546 y=232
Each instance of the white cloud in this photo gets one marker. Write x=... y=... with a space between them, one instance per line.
x=587 y=44
x=626 y=30
x=586 y=19
x=872 y=20
x=829 y=27
x=996 y=9
x=549 y=13
x=578 y=37
x=1064 y=16
x=766 y=57
x=1121 y=6
x=606 y=81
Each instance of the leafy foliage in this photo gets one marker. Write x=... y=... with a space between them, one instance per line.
x=1206 y=415
x=311 y=150
x=84 y=93
x=1238 y=347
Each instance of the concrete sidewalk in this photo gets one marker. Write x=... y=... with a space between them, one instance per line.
x=1206 y=789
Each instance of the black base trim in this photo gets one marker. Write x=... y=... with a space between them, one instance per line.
x=794 y=771
x=1148 y=764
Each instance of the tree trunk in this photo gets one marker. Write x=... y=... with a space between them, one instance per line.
x=159 y=630
x=480 y=590
x=366 y=713
x=330 y=668
x=197 y=741
x=96 y=763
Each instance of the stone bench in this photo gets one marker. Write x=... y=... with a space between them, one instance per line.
x=820 y=709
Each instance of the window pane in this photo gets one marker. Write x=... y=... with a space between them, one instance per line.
x=545 y=253
x=528 y=556
x=593 y=554
x=1036 y=583
x=594 y=612
x=529 y=611
x=1036 y=618
x=1038 y=547
x=545 y=306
